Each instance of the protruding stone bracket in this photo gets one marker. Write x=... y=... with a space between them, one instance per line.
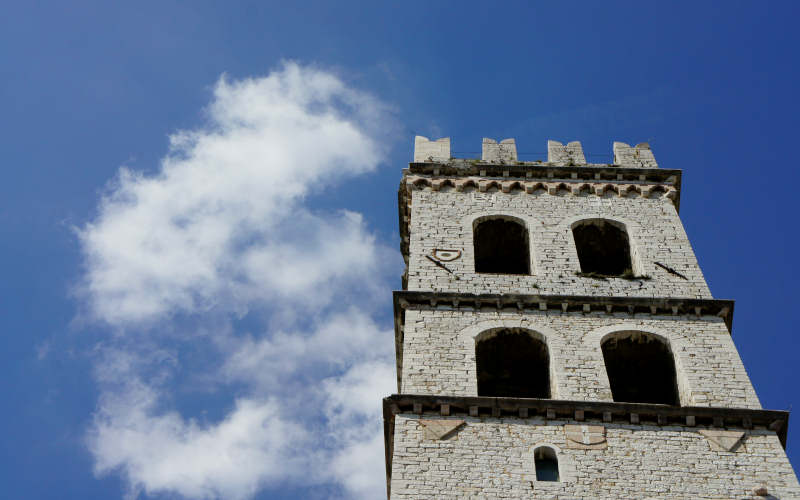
x=426 y=150
x=571 y=154
x=703 y=308
x=639 y=156
x=504 y=152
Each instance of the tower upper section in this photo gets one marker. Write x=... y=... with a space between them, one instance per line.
x=561 y=227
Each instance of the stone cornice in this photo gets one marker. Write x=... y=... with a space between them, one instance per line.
x=686 y=417
x=546 y=171
x=534 y=178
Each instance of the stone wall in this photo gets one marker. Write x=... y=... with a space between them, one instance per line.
x=439 y=353
x=493 y=458
x=444 y=220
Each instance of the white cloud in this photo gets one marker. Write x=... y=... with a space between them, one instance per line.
x=165 y=453
x=225 y=212
x=224 y=228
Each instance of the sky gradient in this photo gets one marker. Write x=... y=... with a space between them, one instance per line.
x=185 y=181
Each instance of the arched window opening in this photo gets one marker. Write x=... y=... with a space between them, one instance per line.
x=640 y=369
x=546 y=464
x=501 y=246
x=603 y=247
x=512 y=363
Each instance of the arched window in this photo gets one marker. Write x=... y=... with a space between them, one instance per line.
x=512 y=363
x=640 y=369
x=501 y=246
x=546 y=462
x=602 y=247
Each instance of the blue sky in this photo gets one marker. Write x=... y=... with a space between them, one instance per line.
x=143 y=320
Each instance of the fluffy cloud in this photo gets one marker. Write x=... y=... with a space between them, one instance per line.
x=222 y=231
x=225 y=212
x=165 y=453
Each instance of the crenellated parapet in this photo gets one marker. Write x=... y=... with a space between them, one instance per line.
x=558 y=154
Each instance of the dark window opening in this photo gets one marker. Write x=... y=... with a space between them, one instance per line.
x=603 y=248
x=546 y=464
x=641 y=369
x=511 y=363
x=501 y=246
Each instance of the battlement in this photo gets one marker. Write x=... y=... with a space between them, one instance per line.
x=558 y=154
x=426 y=150
x=571 y=154
x=504 y=152
x=638 y=156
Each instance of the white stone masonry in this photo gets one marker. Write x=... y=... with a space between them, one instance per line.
x=445 y=219
x=639 y=156
x=490 y=458
x=571 y=154
x=504 y=152
x=426 y=150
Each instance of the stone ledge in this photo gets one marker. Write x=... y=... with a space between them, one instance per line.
x=535 y=170
x=578 y=411
x=664 y=306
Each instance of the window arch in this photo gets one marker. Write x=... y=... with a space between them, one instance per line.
x=546 y=462
x=640 y=368
x=501 y=246
x=512 y=363
x=603 y=247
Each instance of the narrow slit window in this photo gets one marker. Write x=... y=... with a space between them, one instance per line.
x=501 y=246
x=641 y=369
x=602 y=247
x=546 y=464
x=512 y=363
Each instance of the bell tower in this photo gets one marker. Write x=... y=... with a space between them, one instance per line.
x=556 y=338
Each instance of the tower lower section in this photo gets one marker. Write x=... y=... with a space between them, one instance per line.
x=478 y=447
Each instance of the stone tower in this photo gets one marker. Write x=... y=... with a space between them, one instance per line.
x=555 y=338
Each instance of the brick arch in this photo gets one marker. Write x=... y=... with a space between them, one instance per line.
x=593 y=342
x=632 y=228
x=530 y=223
x=554 y=341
